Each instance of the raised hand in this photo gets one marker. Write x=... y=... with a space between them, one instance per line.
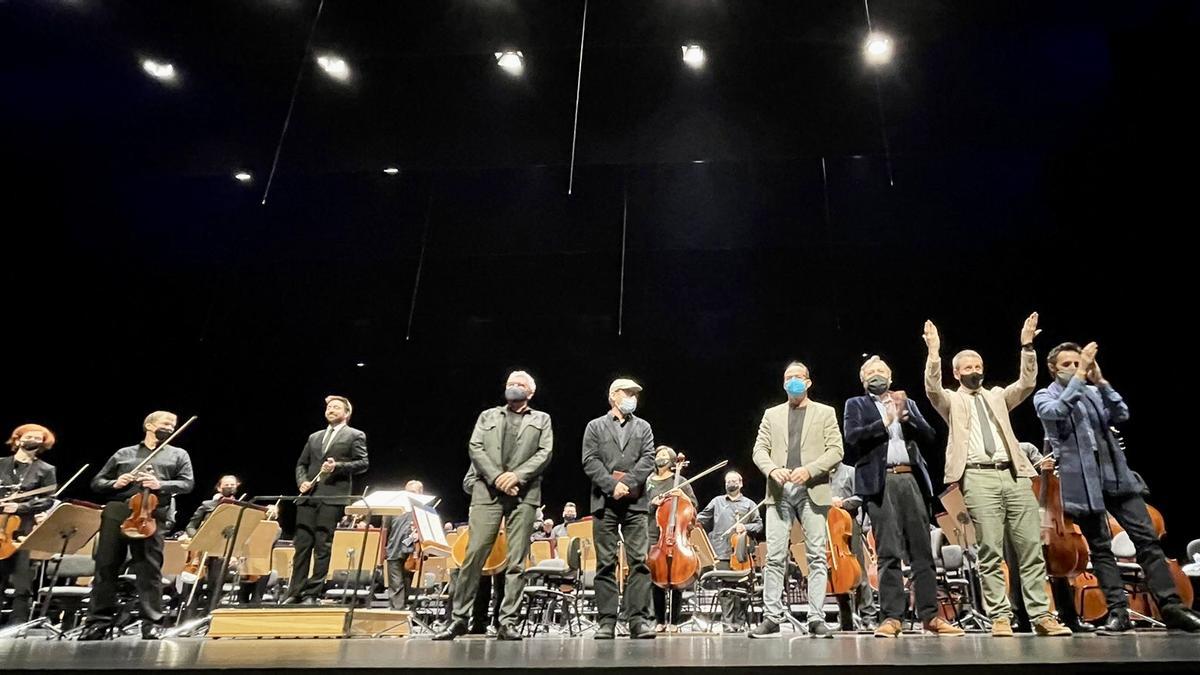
x=933 y=341
x=1030 y=329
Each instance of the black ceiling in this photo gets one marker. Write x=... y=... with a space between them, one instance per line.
x=785 y=79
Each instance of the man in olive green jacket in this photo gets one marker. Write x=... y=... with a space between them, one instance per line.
x=509 y=449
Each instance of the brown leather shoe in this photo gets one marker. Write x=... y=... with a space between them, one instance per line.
x=1002 y=628
x=1048 y=626
x=943 y=628
x=890 y=628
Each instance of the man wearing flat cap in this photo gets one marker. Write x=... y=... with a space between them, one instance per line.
x=618 y=456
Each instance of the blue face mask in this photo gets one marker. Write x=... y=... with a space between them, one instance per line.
x=795 y=387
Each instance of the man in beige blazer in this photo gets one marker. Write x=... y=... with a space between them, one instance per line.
x=798 y=445
x=984 y=458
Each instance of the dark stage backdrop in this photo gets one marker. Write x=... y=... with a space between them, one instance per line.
x=1037 y=170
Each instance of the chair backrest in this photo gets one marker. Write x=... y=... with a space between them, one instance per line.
x=952 y=557
x=73 y=566
x=1122 y=546
x=937 y=539
x=1193 y=550
x=539 y=551
x=574 y=554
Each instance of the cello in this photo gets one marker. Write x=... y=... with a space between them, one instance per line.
x=845 y=572
x=672 y=561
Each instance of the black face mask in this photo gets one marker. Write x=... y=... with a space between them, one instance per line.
x=162 y=433
x=972 y=380
x=732 y=488
x=877 y=384
x=228 y=492
x=31 y=446
x=660 y=463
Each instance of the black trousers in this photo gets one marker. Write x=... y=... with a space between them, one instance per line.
x=17 y=573
x=614 y=522
x=1130 y=511
x=901 y=523
x=660 y=604
x=733 y=607
x=315 y=525
x=399 y=581
x=145 y=563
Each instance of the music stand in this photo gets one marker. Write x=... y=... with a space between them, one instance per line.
x=226 y=529
x=67 y=528
x=432 y=538
x=959 y=529
x=379 y=503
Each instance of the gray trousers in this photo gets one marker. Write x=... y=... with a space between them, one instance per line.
x=780 y=516
x=484 y=522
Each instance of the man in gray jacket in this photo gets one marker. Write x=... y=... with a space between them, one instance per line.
x=509 y=449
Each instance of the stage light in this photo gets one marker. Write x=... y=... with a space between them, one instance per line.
x=243 y=176
x=159 y=71
x=334 y=66
x=360 y=364
x=391 y=171
x=694 y=56
x=512 y=62
x=878 y=49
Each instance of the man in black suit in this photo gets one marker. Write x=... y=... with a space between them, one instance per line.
x=24 y=471
x=882 y=428
x=326 y=468
x=618 y=456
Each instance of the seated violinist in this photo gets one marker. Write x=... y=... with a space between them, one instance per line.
x=736 y=510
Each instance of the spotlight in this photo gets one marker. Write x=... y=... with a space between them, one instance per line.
x=334 y=66
x=391 y=171
x=694 y=56
x=159 y=71
x=360 y=364
x=243 y=176
x=512 y=62
x=878 y=49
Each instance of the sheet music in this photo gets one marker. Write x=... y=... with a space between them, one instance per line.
x=429 y=524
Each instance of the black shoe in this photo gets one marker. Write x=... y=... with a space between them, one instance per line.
x=606 y=631
x=292 y=600
x=818 y=629
x=1118 y=622
x=641 y=631
x=1080 y=627
x=508 y=633
x=1181 y=618
x=451 y=631
x=767 y=628
x=94 y=631
x=151 y=631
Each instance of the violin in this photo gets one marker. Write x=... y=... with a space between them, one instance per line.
x=11 y=522
x=845 y=572
x=742 y=557
x=141 y=523
x=672 y=561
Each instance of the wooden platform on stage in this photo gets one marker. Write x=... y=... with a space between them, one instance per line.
x=306 y=622
x=970 y=655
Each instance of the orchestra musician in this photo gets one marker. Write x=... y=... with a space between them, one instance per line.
x=22 y=471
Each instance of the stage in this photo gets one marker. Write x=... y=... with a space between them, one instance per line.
x=860 y=653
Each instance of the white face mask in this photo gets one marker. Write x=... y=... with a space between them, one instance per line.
x=628 y=405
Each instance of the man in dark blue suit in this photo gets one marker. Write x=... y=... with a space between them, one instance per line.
x=882 y=428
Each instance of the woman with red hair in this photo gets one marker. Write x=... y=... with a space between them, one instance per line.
x=22 y=471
